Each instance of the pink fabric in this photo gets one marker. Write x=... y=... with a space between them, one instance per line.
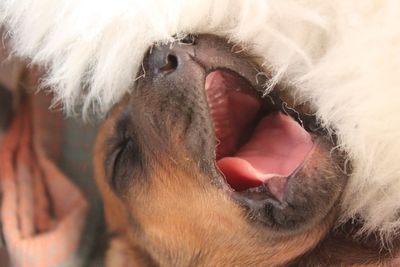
x=42 y=212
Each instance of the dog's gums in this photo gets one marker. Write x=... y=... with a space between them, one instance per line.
x=207 y=170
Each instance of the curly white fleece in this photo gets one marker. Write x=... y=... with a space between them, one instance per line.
x=341 y=56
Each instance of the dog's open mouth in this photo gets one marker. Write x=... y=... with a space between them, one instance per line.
x=259 y=141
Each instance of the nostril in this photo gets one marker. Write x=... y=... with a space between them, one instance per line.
x=171 y=63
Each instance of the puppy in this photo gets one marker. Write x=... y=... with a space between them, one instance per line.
x=217 y=159
x=198 y=167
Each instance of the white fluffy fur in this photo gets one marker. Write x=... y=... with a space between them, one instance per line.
x=341 y=56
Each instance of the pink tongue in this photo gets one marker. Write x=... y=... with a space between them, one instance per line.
x=276 y=148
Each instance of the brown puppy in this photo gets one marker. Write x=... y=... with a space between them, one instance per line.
x=198 y=168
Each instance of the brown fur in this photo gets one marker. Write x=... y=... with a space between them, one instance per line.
x=176 y=228
x=164 y=207
x=182 y=228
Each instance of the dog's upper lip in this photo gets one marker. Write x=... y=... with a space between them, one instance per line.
x=211 y=53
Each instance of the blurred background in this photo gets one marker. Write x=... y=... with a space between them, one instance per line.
x=67 y=141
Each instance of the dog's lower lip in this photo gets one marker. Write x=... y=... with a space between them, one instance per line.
x=252 y=195
x=262 y=163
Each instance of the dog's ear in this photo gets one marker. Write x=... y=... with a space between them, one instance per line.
x=122 y=254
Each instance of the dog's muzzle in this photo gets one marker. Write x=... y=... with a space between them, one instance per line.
x=258 y=147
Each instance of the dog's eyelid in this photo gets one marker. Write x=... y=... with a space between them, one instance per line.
x=124 y=157
x=117 y=157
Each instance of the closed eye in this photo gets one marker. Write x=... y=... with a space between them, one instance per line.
x=116 y=157
x=123 y=155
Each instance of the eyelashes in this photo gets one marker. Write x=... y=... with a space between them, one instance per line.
x=117 y=156
x=124 y=159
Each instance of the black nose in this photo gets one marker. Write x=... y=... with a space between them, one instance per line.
x=164 y=58
x=167 y=58
x=170 y=63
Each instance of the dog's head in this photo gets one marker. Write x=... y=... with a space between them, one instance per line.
x=212 y=171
